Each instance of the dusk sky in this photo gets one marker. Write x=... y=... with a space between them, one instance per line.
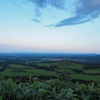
x=56 y=26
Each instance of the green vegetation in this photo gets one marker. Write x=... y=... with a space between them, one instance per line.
x=8 y=72
x=40 y=77
x=63 y=64
x=41 y=72
x=74 y=70
x=48 y=67
x=17 y=66
x=95 y=78
x=65 y=70
x=44 y=64
x=48 y=90
x=96 y=71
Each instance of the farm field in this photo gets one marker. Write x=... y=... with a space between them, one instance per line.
x=26 y=65
x=96 y=71
x=9 y=72
x=63 y=64
x=18 y=66
x=86 y=77
x=41 y=72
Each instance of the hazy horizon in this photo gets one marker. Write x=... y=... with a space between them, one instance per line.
x=50 y=26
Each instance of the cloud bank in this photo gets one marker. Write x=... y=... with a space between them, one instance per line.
x=85 y=10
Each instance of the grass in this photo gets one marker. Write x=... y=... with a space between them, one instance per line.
x=95 y=78
x=18 y=66
x=63 y=64
x=44 y=64
x=8 y=72
x=65 y=70
x=41 y=72
x=96 y=71
x=70 y=65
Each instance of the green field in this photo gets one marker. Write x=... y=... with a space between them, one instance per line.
x=55 y=68
x=8 y=72
x=63 y=64
x=41 y=72
x=44 y=64
x=96 y=71
x=86 y=77
x=18 y=66
x=64 y=70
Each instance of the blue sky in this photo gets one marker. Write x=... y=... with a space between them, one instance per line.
x=65 y=26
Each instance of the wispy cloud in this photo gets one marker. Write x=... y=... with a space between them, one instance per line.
x=73 y=21
x=35 y=20
x=43 y=3
x=85 y=10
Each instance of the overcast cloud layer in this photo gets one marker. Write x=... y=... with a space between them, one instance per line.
x=85 y=10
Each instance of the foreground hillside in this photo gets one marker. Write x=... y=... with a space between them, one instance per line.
x=48 y=90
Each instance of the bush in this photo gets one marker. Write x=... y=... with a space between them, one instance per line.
x=48 y=90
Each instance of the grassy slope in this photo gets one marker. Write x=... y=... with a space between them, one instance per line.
x=18 y=66
x=62 y=66
x=8 y=72
x=86 y=77
x=41 y=72
x=96 y=71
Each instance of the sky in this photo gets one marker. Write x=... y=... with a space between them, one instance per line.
x=52 y=26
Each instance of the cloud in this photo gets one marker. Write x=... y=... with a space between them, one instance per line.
x=85 y=10
x=59 y=4
x=35 y=20
x=43 y=4
x=73 y=21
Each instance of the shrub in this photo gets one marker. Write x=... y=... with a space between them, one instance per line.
x=48 y=90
